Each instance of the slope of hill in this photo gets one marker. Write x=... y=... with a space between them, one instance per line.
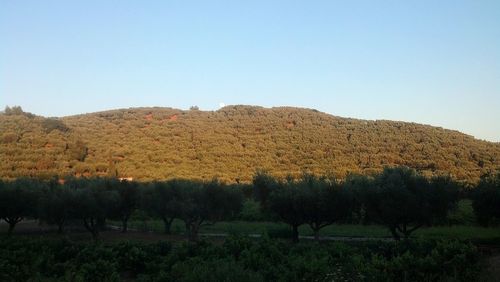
x=231 y=143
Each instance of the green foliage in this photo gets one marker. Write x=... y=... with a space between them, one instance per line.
x=238 y=259
x=316 y=201
x=206 y=203
x=163 y=200
x=94 y=203
x=486 y=200
x=443 y=197
x=463 y=214
x=323 y=201
x=16 y=111
x=10 y=137
x=56 y=205
x=263 y=184
x=213 y=270
x=78 y=151
x=18 y=200
x=286 y=203
x=404 y=201
x=360 y=187
x=251 y=211
x=50 y=124
x=128 y=200
x=399 y=198
x=235 y=141
x=112 y=172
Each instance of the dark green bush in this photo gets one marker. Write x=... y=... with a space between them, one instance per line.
x=238 y=259
x=251 y=211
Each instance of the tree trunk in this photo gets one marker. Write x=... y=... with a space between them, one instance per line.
x=60 y=228
x=11 y=228
x=394 y=233
x=167 y=223
x=192 y=229
x=92 y=226
x=407 y=232
x=316 y=234
x=12 y=221
x=124 y=224
x=295 y=233
x=193 y=232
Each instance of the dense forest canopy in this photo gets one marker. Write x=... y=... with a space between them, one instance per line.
x=231 y=144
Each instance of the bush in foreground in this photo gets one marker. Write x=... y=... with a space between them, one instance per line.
x=238 y=259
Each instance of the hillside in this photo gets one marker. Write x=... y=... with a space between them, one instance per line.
x=231 y=143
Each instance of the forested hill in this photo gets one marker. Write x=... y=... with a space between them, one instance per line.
x=231 y=143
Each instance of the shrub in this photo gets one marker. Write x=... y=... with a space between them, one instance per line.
x=238 y=259
x=251 y=211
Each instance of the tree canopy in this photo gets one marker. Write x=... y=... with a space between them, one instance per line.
x=486 y=200
x=231 y=144
x=404 y=201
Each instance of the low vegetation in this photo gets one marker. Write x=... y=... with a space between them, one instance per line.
x=390 y=212
x=237 y=259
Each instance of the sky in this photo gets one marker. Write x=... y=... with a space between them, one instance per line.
x=431 y=62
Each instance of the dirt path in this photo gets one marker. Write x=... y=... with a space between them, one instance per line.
x=322 y=238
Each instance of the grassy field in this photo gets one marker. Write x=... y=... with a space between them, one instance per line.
x=465 y=229
x=468 y=230
x=338 y=230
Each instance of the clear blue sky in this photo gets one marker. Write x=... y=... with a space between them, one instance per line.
x=432 y=62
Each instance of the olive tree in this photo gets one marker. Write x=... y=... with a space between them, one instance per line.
x=94 y=204
x=162 y=199
x=56 y=206
x=205 y=203
x=286 y=202
x=263 y=184
x=404 y=201
x=359 y=187
x=18 y=200
x=486 y=200
x=322 y=202
x=127 y=200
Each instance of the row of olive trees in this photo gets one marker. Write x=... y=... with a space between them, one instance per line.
x=92 y=201
x=398 y=198
x=88 y=201
x=315 y=201
x=195 y=203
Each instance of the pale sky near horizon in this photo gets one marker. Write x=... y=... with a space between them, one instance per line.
x=431 y=62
